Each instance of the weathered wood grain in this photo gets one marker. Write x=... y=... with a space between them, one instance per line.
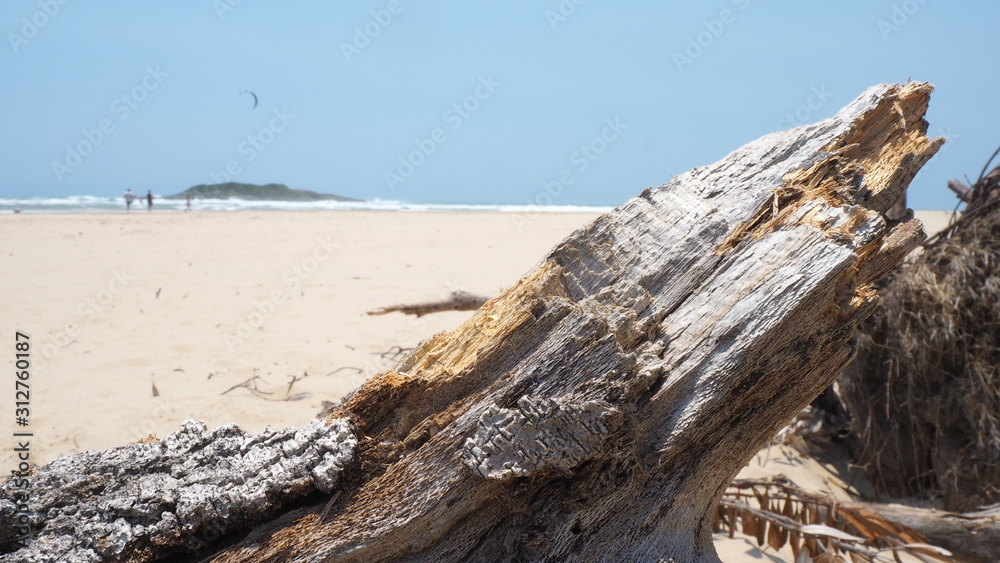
x=596 y=410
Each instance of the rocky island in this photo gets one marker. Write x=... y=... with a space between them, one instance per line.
x=269 y=192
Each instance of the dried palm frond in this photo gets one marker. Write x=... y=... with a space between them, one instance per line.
x=816 y=527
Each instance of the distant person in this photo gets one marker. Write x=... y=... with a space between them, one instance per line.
x=149 y=200
x=188 y=208
x=128 y=200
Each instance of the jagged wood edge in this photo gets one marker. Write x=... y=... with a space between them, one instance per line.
x=644 y=311
x=649 y=353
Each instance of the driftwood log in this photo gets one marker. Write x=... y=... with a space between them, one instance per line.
x=456 y=301
x=598 y=409
x=973 y=537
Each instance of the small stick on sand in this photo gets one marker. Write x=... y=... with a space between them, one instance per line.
x=295 y=378
x=457 y=301
x=246 y=384
x=359 y=370
x=392 y=353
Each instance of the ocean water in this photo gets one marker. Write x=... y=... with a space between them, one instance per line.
x=96 y=204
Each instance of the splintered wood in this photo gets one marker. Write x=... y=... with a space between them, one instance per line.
x=691 y=323
x=598 y=409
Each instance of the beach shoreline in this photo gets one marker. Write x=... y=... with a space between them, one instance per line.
x=85 y=204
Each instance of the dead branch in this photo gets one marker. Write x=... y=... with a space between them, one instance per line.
x=963 y=191
x=249 y=384
x=359 y=370
x=392 y=353
x=294 y=379
x=457 y=301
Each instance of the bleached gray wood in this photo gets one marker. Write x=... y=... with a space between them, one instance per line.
x=961 y=190
x=596 y=410
x=179 y=494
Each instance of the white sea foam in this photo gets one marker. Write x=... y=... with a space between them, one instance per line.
x=97 y=204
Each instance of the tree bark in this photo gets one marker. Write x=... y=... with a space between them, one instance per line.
x=598 y=409
x=151 y=499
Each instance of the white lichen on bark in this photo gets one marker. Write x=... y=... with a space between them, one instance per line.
x=176 y=494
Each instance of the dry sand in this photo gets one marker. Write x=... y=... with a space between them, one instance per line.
x=195 y=303
x=139 y=321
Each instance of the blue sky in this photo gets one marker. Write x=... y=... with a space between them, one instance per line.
x=460 y=102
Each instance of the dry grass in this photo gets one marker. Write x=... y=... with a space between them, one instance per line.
x=924 y=392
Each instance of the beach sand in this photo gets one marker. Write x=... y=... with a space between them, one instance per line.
x=196 y=303
x=139 y=321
